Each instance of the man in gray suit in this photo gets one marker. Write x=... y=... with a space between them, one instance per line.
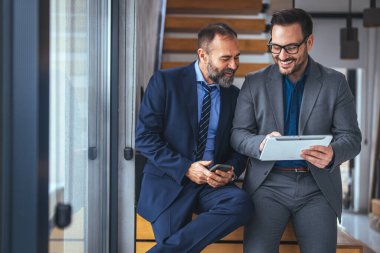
x=295 y=96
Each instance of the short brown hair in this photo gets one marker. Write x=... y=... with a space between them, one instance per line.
x=293 y=16
x=207 y=34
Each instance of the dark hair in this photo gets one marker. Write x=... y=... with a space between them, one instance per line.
x=207 y=34
x=292 y=16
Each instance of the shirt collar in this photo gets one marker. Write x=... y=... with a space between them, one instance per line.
x=199 y=76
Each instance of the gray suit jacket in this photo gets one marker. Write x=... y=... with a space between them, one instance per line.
x=327 y=108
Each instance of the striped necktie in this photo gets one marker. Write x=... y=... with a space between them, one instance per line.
x=205 y=119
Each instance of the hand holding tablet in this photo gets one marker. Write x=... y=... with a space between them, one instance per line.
x=281 y=148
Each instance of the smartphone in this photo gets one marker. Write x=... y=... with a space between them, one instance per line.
x=222 y=167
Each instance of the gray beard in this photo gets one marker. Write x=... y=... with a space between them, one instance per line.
x=217 y=77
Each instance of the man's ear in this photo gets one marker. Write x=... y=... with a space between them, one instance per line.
x=202 y=55
x=310 y=42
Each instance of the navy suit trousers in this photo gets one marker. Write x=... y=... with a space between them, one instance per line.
x=220 y=211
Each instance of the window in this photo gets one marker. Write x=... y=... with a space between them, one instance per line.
x=79 y=123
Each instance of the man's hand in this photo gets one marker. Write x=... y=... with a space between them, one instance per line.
x=220 y=178
x=319 y=156
x=262 y=144
x=198 y=172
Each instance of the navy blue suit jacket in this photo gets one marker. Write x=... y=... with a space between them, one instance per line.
x=167 y=136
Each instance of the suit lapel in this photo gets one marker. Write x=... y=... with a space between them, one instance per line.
x=311 y=91
x=276 y=97
x=190 y=96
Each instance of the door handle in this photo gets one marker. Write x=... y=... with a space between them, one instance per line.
x=62 y=215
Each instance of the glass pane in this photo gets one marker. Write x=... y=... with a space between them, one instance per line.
x=78 y=123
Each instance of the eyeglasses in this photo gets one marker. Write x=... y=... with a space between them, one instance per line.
x=290 y=48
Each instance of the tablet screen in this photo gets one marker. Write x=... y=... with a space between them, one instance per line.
x=284 y=148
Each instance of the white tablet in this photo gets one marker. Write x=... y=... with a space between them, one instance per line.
x=290 y=147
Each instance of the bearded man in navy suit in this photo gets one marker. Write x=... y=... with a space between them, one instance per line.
x=177 y=181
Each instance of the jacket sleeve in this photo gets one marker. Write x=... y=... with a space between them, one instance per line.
x=347 y=136
x=150 y=141
x=239 y=162
x=244 y=137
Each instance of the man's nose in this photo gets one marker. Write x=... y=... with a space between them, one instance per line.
x=233 y=64
x=283 y=54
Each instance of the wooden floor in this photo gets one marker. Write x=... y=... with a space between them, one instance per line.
x=70 y=239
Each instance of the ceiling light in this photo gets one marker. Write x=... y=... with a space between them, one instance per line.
x=371 y=16
x=349 y=44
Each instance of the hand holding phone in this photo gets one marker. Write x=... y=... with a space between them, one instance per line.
x=222 y=167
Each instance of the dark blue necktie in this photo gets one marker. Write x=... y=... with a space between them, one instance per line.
x=204 y=122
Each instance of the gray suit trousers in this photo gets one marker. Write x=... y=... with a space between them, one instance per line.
x=295 y=196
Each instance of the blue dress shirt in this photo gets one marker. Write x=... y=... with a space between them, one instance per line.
x=214 y=113
x=292 y=107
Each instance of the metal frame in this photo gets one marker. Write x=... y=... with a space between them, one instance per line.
x=5 y=127
x=160 y=35
x=126 y=91
x=25 y=124
x=114 y=128
x=99 y=133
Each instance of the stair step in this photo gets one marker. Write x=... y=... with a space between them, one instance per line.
x=244 y=68
x=232 y=243
x=186 y=45
x=175 y=23
x=214 y=6
x=142 y=247
x=144 y=232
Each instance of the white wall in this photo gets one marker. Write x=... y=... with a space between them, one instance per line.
x=147 y=27
x=326 y=50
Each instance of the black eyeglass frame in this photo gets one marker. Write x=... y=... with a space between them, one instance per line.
x=296 y=45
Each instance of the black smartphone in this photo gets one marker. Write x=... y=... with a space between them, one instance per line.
x=222 y=167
